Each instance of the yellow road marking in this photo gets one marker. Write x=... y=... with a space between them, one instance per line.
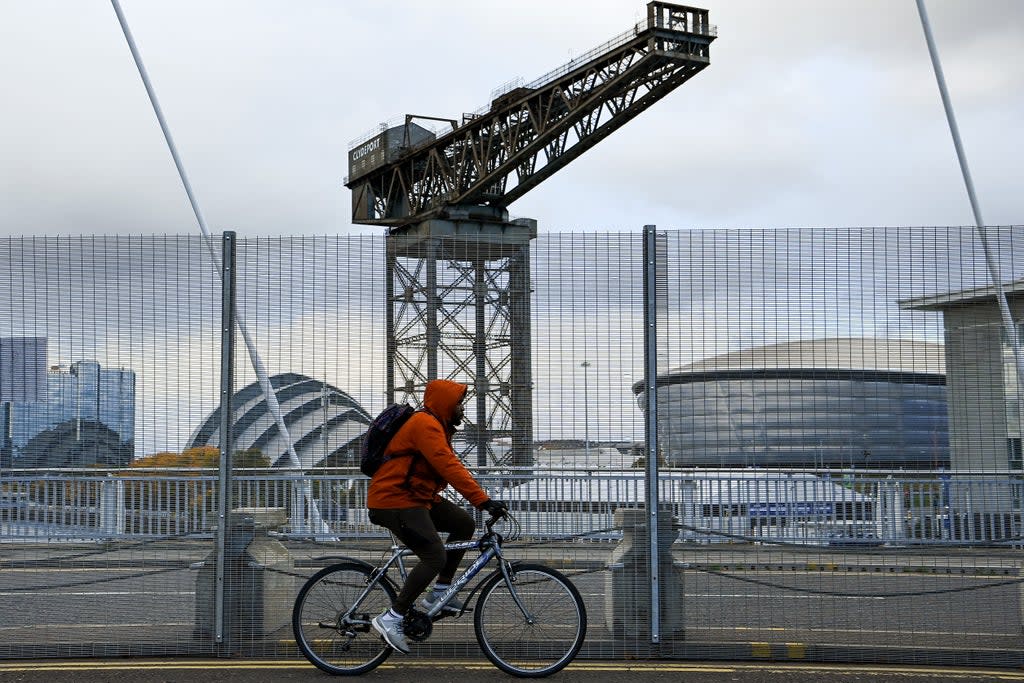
x=796 y=650
x=748 y=628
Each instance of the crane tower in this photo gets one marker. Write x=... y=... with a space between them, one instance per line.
x=458 y=270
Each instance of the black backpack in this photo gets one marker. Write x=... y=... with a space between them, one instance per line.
x=379 y=435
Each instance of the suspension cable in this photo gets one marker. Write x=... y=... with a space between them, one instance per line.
x=993 y=267
x=273 y=406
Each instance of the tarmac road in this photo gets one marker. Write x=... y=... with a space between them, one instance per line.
x=752 y=602
x=107 y=608
x=480 y=671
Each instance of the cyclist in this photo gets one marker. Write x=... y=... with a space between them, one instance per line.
x=404 y=497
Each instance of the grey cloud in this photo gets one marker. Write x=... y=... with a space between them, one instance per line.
x=810 y=113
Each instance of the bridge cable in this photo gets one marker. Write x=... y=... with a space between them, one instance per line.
x=320 y=526
x=993 y=267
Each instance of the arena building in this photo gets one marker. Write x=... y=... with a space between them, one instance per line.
x=841 y=402
x=326 y=425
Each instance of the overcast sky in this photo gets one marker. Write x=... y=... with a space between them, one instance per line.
x=812 y=113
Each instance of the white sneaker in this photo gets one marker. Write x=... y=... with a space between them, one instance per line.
x=390 y=629
x=453 y=606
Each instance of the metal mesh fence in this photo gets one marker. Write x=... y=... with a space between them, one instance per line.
x=838 y=422
x=843 y=393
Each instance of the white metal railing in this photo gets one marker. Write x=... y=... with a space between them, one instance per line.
x=824 y=507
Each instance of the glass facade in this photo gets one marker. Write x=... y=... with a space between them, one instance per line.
x=88 y=418
x=805 y=418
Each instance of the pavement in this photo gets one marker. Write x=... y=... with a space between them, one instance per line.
x=964 y=608
x=480 y=671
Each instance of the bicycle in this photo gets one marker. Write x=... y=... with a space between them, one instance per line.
x=529 y=620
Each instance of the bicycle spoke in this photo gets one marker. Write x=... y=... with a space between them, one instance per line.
x=536 y=648
x=334 y=634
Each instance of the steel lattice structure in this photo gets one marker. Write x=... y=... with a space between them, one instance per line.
x=458 y=270
x=532 y=131
x=460 y=308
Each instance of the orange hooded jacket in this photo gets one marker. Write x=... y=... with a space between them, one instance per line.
x=422 y=462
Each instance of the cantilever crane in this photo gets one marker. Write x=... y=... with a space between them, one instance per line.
x=443 y=198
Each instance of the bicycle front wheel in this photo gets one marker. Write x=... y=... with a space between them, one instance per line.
x=540 y=642
x=332 y=625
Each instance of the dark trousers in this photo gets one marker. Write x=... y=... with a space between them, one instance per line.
x=418 y=529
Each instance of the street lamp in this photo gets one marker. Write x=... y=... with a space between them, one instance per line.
x=586 y=412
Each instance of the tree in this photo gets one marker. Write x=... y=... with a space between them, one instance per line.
x=250 y=458
x=199 y=457
x=641 y=462
x=202 y=457
x=168 y=502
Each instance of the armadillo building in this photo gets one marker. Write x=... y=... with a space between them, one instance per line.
x=326 y=425
x=841 y=402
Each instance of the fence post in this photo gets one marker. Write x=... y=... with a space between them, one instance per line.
x=112 y=510
x=651 y=421
x=227 y=366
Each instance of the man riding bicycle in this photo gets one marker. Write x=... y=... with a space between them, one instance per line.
x=404 y=497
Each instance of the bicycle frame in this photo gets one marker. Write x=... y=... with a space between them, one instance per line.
x=511 y=641
x=490 y=545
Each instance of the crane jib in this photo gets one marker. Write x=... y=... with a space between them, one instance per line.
x=407 y=173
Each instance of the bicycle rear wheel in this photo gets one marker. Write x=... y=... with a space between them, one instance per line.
x=334 y=633
x=530 y=649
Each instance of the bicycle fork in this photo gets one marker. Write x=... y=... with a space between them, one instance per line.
x=510 y=581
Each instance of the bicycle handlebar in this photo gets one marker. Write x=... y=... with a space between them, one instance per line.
x=492 y=521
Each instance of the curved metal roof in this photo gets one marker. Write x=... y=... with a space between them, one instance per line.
x=839 y=353
x=76 y=443
x=865 y=358
x=325 y=424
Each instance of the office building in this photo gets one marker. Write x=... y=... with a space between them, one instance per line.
x=87 y=418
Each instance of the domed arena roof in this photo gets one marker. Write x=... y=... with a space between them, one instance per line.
x=844 y=353
x=76 y=443
x=326 y=425
x=886 y=359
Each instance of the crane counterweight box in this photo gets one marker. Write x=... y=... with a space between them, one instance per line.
x=386 y=147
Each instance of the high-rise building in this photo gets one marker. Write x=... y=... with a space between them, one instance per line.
x=87 y=418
